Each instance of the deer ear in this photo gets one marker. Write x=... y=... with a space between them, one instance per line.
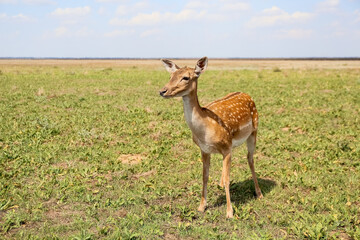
x=201 y=66
x=169 y=65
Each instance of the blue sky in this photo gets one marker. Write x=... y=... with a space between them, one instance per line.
x=179 y=28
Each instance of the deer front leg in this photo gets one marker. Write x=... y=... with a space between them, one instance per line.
x=206 y=165
x=226 y=180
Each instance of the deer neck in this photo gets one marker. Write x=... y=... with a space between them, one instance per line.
x=194 y=114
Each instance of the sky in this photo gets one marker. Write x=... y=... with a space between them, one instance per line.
x=179 y=28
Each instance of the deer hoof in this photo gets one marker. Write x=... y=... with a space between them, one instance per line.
x=202 y=208
x=230 y=214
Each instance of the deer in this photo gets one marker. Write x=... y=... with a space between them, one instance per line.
x=218 y=127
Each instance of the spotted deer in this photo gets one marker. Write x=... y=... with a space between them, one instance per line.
x=218 y=127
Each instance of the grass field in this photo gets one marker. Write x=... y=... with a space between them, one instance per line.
x=88 y=150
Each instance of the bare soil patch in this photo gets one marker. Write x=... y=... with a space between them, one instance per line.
x=62 y=214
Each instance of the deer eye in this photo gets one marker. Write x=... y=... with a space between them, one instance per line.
x=185 y=78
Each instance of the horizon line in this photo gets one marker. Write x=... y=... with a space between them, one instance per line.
x=179 y=58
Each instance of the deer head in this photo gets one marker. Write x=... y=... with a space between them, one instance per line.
x=182 y=80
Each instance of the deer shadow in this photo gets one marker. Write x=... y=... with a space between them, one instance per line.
x=244 y=191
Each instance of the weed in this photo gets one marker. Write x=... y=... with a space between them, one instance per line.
x=276 y=69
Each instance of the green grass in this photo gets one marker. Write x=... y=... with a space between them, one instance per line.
x=97 y=154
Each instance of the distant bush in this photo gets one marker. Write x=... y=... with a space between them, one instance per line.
x=276 y=69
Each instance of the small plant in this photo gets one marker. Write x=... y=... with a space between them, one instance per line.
x=276 y=69
x=83 y=235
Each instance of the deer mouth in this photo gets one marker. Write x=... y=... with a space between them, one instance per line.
x=165 y=93
x=162 y=93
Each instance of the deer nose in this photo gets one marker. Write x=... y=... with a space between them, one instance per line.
x=162 y=92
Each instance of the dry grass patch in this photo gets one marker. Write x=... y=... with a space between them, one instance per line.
x=101 y=92
x=130 y=159
x=144 y=174
x=40 y=92
x=216 y=64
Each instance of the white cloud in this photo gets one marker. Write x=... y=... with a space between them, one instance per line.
x=21 y=17
x=142 y=4
x=223 y=5
x=357 y=33
x=39 y=2
x=31 y=2
x=272 y=10
x=294 y=33
x=275 y=16
x=327 y=6
x=101 y=10
x=335 y=24
x=79 y=11
x=357 y=16
x=3 y=16
x=236 y=6
x=66 y=32
x=122 y=10
x=157 y=17
x=61 y=31
x=27 y=1
x=150 y=32
x=117 y=33
x=197 y=5
x=83 y=32
x=146 y=19
x=8 y=1
x=185 y=15
x=130 y=9
x=15 y=18
x=140 y=19
x=339 y=33
x=111 y=1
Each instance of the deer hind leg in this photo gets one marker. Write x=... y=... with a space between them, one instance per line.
x=222 y=179
x=226 y=181
x=206 y=165
x=251 y=143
